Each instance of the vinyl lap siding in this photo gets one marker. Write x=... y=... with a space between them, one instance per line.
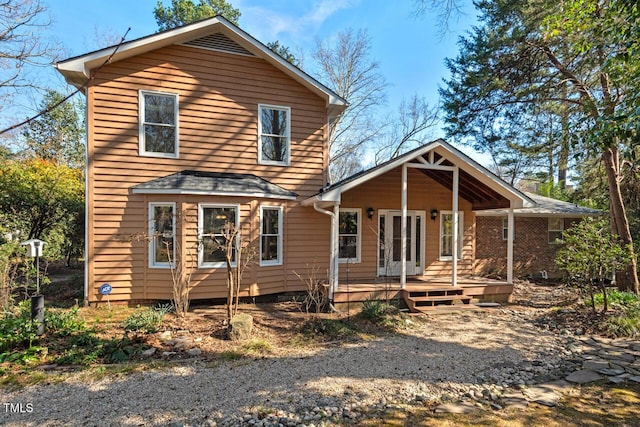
x=219 y=95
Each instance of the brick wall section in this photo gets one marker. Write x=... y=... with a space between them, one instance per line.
x=532 y=252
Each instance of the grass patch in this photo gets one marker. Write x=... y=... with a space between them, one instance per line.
x=231 y=355
x=329 y=329
x=146 y=320
x=626 y=324
x=257 y=346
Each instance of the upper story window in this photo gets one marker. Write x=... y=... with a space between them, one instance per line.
x=274 y=135
x=162 y=225
x=271 y=235
x=158 y=124
x=556 y=227
x=215 y=224
x=446 y=234
x=349 y=235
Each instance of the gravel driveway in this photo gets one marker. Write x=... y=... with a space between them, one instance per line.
x=446 y=356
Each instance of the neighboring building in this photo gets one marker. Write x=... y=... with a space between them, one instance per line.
x=538 y=232
x=203 y=125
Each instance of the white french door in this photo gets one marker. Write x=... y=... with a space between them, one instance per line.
x=390 y=242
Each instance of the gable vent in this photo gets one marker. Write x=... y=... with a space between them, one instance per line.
x=219 y=42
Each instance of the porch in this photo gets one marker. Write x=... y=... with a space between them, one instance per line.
x=425 y=293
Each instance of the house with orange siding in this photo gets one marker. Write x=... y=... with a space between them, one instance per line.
x=203 y=125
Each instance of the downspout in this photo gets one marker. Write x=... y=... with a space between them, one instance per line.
x=333 y=244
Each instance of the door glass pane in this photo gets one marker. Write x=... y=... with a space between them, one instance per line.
x=381 y=244
x=397 y=238
x=418 y=240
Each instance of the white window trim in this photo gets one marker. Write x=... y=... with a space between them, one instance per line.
x=141 y=122
x=460 y=235
x=355 y=260
x=280 y=239
x=152 y=231
x=201 y=207
x=505 y=227
x=288 y=156
x=549 y=230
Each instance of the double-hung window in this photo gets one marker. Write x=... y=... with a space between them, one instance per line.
x=270 y=235
x=158 y=124
x=555 y=228
x=216 y=224
x=446 y=234
x=349 y=235
x=162 y=225
x=274 y=135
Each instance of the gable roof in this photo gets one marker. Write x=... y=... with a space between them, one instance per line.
x=546 y=206
x=77 y=70
x=475 y=180
x=214 y=184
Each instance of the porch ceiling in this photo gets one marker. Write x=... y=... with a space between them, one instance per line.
x=480 y=195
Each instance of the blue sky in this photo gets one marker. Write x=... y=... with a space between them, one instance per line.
x=410 y=50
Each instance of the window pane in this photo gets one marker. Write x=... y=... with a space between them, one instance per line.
x=274 y=122
x=348 y=245
x=348 y=223
x=159 y=109
x=163 y=234
x=215 y=219
x=160 y=139
x=274 y=148
x=213 y=249
x=270 y=221
x=555 y=236
x=269 y=248
x=556 y=224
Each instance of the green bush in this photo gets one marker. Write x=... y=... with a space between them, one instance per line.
x=63 y=322
x=376 y=310
x=17 y=331
x=626 y=325
x=618 y=298
x=146 y=320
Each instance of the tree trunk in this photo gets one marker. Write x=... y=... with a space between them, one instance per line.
x=628 y=279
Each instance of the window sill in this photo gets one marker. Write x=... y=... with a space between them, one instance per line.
x=159 y=155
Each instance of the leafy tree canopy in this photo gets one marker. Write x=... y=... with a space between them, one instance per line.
x=37 y=194
x=59 y=134
x=571 y=66
x=182 y=12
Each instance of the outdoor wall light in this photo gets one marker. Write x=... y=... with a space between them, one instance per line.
x=434 y=214
x=370 y=212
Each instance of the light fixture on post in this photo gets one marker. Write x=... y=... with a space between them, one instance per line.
x=370 y=212
x=434 y=214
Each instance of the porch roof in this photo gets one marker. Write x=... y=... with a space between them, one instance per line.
x=547 y=207
x=478 y=185
x=214 y=183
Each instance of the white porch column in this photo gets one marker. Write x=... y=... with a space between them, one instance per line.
x=335 y=234
x=510 y=234
x=455 y=237
x=403 y=245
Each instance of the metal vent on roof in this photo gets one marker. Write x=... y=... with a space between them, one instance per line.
x=219 y=42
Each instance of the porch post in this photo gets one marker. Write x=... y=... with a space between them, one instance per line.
x=510 y=235
x=403 y=245
x=335 y=241
x=454 y=256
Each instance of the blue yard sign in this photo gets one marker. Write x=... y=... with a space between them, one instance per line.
x=105 y=289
